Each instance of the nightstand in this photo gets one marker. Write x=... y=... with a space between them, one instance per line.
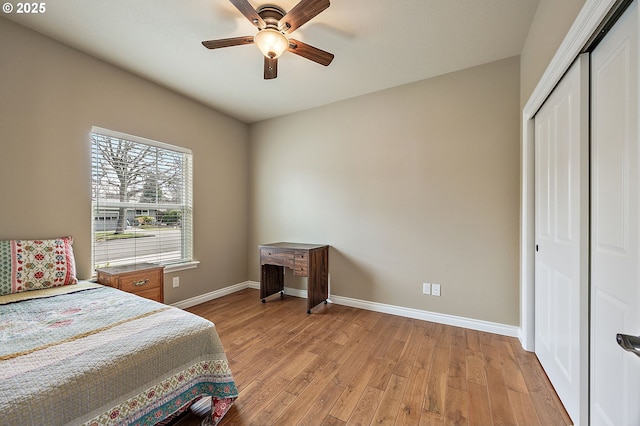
x=143 y=279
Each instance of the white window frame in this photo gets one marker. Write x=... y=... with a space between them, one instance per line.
x=187 y=261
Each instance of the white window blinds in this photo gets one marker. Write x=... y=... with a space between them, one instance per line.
x=141 y=200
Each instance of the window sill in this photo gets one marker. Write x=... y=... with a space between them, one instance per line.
x=175 y=267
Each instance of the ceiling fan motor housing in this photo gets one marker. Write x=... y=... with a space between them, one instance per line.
x=272 y=14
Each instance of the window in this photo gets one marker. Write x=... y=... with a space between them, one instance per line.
x=141 y=199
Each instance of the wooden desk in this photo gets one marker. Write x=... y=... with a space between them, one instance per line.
x=306 y=260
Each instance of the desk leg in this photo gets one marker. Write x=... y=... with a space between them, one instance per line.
x=271 y=281
x=318 y=281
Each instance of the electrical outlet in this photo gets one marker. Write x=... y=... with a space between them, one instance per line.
x=435 y=289
x=426 y=288
x=176 y=282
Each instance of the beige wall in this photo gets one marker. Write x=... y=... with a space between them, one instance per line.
x=51 y=95
x=549 y=27
x=409 y=185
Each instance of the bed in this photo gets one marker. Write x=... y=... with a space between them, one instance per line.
x=86 y=354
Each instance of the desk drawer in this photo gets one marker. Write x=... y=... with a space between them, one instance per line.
x=301 y=264
x=277 y=257
x=268 y=257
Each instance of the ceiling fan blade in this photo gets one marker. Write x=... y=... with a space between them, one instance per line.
x=302 y=13
x=270 y=68
x=249 y=12
x=310 y=52
x=227 y=42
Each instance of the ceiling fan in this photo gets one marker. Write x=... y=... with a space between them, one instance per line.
x=274 y=25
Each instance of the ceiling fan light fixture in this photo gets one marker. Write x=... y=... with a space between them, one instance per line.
x=272 y=43
x=274 y=26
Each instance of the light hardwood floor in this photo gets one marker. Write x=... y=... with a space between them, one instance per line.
x=344 y=366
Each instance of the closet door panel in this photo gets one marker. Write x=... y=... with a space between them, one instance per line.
x=561 y=268
x=615 y=215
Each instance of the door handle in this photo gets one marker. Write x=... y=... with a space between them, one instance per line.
x=629 y=343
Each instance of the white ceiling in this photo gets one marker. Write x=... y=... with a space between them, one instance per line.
x=377 y=44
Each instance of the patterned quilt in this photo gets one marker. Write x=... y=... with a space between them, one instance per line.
x=92 y=355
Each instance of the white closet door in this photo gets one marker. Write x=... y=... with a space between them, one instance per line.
x=615 y=374
x=561 y=267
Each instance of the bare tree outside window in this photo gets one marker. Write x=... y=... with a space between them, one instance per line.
x=123 y=166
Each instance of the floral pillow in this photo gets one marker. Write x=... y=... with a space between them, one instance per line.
x=36 y=264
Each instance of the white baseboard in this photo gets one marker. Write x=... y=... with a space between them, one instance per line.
x=211 y=295
x=473 y=324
